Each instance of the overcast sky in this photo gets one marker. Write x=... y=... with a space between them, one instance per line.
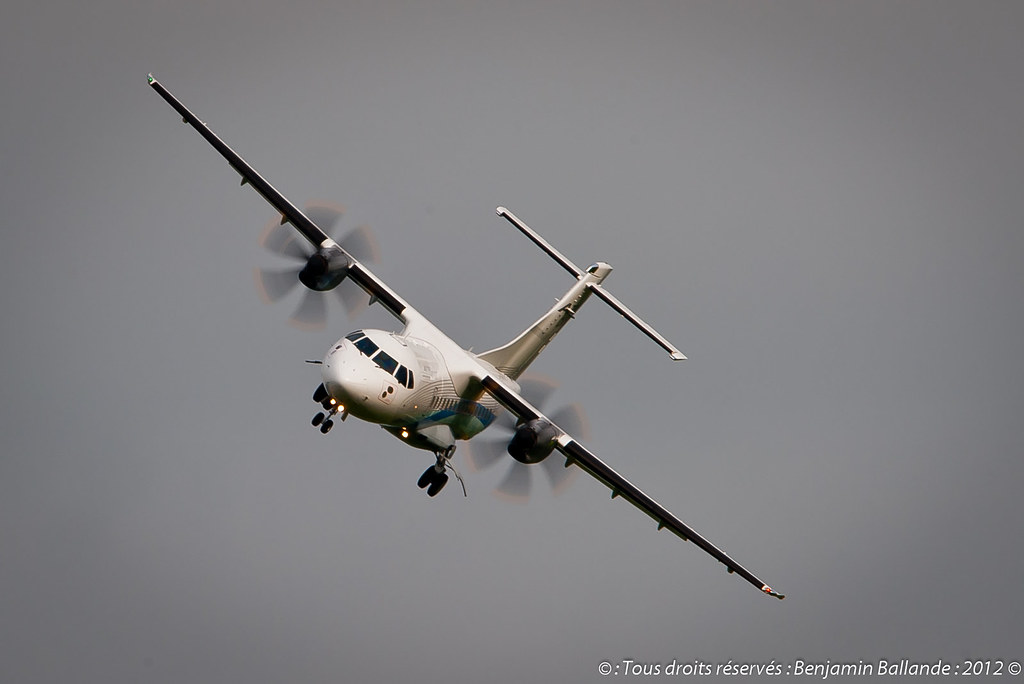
x=820 y=203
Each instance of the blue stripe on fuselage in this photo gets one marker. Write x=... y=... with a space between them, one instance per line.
x=467 y=418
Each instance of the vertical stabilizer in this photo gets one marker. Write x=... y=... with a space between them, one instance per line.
x=513 y=358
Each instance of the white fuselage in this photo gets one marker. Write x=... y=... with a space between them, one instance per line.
x=404 y=382
x=421 y=386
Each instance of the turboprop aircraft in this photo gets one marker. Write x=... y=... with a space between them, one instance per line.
x=428 y=391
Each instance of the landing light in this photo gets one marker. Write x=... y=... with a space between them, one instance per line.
x=333 y=401
x=405 y=434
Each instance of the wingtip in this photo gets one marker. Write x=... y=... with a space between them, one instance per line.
x=152 y=78
x=678 y=356
x=771 y=592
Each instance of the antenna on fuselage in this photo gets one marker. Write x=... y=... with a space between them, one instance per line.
x=603 y=294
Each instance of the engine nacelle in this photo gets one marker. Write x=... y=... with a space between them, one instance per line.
x=533 y=441
x=325 y=269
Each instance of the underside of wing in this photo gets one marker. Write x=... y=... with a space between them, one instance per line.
x=577 y=455
x=329 y=264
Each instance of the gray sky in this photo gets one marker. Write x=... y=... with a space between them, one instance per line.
x=820 y=203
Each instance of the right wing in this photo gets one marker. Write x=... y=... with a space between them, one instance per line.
x=576 y=454
x=362 y=276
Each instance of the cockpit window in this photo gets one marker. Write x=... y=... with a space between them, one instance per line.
x=384 y=360
x=404 y=377
x=367 y=346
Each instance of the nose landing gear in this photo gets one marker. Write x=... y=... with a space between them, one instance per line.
x=435 y=478
x=325 y=420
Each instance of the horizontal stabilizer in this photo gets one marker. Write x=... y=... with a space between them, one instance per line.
x=540 y=242
x=645 y=328
x=593 y=285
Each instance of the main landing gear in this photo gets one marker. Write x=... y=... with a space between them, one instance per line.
x=435 y=478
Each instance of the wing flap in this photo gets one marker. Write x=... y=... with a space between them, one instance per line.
x=376 y=288
x=289 y=211
x=576 y=454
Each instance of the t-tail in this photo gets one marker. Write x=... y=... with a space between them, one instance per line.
x=513 y=358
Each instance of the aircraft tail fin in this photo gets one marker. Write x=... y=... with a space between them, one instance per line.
x=513 y=358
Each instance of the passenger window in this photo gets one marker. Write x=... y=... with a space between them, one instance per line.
x=401 y=376
x=385 y=361
x=367 y=346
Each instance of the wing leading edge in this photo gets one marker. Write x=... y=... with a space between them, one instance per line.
x=376 y=288
x=576 y=454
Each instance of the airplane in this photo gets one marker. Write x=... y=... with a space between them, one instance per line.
x=429 y=392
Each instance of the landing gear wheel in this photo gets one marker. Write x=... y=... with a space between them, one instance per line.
x=435 y=477
x=440 y=480
x=326 y=426
x=426 y=478
x=318 y=418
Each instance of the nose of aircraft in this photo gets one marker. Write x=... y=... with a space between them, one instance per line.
x=346 y=376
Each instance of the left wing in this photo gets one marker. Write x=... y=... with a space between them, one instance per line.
x=576 y=454
x=371 y=284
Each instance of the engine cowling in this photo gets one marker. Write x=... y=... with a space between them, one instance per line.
x=325 y=269
x=533 y=441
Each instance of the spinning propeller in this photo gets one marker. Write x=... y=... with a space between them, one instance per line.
x=491 y=447
x=275 y=283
